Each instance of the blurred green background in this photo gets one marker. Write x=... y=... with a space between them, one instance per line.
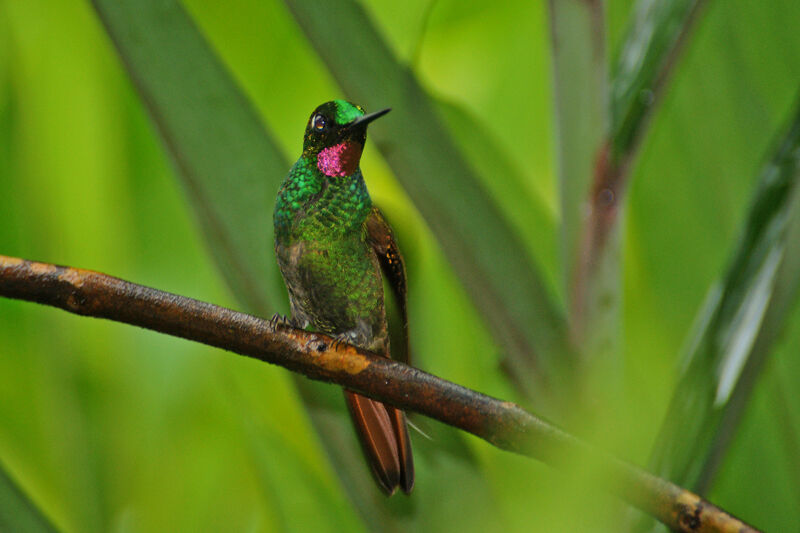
x=111 y=428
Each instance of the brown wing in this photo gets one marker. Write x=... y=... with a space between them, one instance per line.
x=381 y=238
x=380 y=427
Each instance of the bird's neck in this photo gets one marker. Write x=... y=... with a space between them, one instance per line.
x=314 y=206
x=340 y=159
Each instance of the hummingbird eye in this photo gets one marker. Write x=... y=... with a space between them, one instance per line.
x=318 y=122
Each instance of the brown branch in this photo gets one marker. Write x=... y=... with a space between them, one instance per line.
x=319 y=357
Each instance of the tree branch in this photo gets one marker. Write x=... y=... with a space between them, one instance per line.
x=319 y=357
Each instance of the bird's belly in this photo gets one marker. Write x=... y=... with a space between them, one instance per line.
x=335 y=290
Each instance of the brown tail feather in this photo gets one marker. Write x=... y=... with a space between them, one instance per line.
x=384 y=438
x=404 y=446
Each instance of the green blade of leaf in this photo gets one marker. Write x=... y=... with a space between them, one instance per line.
x=580 y=85
x=653 y=41
x=17 y=511
x=344 y=453
x=478 y=241
x=291 y=483
x=785 y=420
x=640 y=72
x=644 y=62
x=737 y=327
x=229 y=164
x=527 y=214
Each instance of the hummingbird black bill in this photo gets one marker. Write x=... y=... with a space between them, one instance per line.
x=366 y=119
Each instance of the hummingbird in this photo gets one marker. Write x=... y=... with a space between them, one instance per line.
x=332 y=247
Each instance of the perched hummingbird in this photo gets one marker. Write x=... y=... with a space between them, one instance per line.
x=332 y=245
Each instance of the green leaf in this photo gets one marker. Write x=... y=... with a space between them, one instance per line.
x=737 y=328
x=646 y=58
x=17 y=512
x=478 y=241
x=230 y=166
x=580 y=86
x=526 y=213
x=292 y=484
x=654 y=39
x=643 y=65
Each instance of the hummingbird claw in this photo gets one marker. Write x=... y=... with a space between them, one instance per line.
x=279 y=320
x=357 y=336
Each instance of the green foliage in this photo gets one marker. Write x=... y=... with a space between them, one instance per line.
x=17 y=511
x=109 y=428
x=736 y=328
x=641 y=68
x=229 y=164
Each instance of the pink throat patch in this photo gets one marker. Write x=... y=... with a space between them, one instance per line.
x=339 y=160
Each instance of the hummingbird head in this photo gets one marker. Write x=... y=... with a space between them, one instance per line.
x=335 y=136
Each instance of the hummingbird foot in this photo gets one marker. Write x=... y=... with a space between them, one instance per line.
x=279 y=320
x=282 y=321
x=358 y=336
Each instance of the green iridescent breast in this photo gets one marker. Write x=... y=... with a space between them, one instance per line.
x=311 y=206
